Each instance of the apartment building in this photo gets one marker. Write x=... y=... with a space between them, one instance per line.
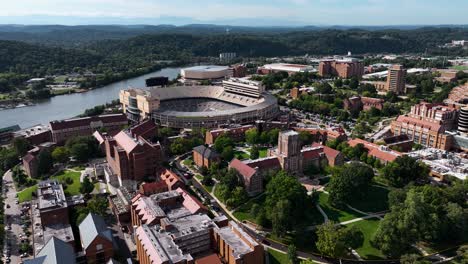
x=383 y=153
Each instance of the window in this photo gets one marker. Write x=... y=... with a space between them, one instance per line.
x=99 y=247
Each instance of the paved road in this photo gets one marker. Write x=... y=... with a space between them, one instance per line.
x=13 y=216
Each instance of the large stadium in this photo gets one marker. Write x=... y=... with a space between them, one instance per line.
x=204 y=106
x=209 y=106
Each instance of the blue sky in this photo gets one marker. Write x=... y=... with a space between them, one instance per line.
x=240 y=12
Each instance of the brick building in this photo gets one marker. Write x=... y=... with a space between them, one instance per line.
x=383 y=153
x=132 y=155
x=346 y=68
x=236 y=133
x=204 y=156
x=253 y=179
x=426 y=124
x=96 y=239
x=358 y=103
x=172 y=227
x=86 y=126
x=35 y=135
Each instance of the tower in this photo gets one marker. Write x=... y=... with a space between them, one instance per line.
x=396 y=79
x=289 y=152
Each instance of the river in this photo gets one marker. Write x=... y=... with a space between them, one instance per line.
x=67 y=106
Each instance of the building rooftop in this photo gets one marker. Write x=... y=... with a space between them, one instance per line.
x=206 y=68
x=51 y=195
x=55 y=251
x=238 y=244
x=206 y=152
x=92 y=227
x=31 y=131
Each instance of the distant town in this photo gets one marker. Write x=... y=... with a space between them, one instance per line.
x=299 y=159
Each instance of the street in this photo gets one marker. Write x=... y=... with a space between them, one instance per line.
x=12 y=220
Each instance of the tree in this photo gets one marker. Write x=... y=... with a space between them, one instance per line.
x=222 y=142
x=404 y=170
x=228 y=153
x=280 y=217
x=98 y=205
x=286 y=202
x=273 y=136
x=305 y=138
x=254 y=153
x=413 y=259
x=252 y=136
x=348 y=179
x=44 y=163
x=353 y=237
x=61 y=154
x=338 y=83
x=324 y=88
x=353 y=83
x=330 y=240
x=80 y=152
x=207 y=180
x=86 y=186
x=255 y=210
x=292 y=254
x=21 y=145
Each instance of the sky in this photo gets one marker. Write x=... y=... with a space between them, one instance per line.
x=235 y=12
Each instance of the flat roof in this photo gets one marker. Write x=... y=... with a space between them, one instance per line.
x=206 y=68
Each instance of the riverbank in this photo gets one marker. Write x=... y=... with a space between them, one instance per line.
x=23 y=101
x=71 y=105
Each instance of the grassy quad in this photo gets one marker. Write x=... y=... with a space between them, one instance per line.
x=376 y=201
x=277 y=257
x=241 y=155
x=71 y=189
x=26 y=194
x=368 y=228
x=335 y=214
x=243 y=212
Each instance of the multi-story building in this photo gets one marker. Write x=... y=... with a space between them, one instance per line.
x=426 y=124
x=171 y=227
x=132 y=156
x=204 y=156
x=236 y=133
x=458 y=95
x=358 y=103
x=463 y=121
x=244 y=87
x=52 y=203
x=383 y=153
x=288 y=156
x=396 y=79
x=50 y=217
x=86 y=126
x=288 y=152
x=138 y=104
x=227 y=56
x=35 y=135
x=55 y=251
x=197 y=74
x=253 y=179
x=345 y=68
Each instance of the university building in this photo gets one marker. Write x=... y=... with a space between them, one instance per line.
x=426 y=124
x=345 y=68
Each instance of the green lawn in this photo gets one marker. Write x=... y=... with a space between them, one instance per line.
x=188 y=162
x=368 y=228
x=460 y=68
x=241 y=155
x=243 y=213
x=262 y=152
x=376 y=201
x=73 y=188
x=26 y=194
x=277 y=257
x=334 y=214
